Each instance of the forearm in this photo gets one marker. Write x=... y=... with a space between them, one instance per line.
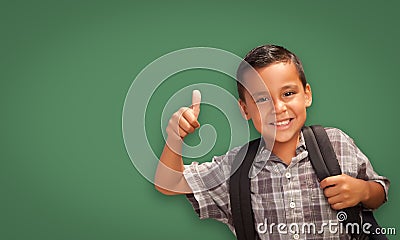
x=169 y=177
x=375 y=195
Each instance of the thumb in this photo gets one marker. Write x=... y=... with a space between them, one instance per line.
x=196 y=99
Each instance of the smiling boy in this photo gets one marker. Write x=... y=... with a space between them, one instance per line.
x=284 y=186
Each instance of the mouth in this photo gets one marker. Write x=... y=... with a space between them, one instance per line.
x=282 y=123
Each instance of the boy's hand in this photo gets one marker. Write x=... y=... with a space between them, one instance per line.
x=344 y=191
x=184 y=121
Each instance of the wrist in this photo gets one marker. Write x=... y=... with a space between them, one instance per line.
x=174 y=143
x=174 y=139
x=367 y=191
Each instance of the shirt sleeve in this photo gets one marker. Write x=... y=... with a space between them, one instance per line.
x=210 y=185
x=353 y=161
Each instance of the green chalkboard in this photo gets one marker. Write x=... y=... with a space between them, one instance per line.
x=66 y=68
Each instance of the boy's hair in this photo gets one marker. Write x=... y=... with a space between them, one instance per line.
x=264 y=56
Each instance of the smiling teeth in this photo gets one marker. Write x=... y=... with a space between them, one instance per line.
x=282 y=123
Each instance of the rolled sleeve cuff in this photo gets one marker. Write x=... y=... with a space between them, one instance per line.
x=196 y=198
x=192 y=177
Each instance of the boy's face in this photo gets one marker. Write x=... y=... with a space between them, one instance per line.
x=282 y=108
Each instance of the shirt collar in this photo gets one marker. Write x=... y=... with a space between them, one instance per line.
x=264 y=155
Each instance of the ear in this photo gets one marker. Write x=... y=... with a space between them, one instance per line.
x=308 y=95
x=243 y=109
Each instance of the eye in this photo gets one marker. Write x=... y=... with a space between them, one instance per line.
x=262 y=99
x=288 y=94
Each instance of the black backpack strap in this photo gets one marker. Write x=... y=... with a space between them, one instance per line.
x=239 y=191
x=314 y=154
x=333 y=166
x=324 y=161
x=326 y=149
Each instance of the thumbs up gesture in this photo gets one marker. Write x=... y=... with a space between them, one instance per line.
x=184 y=121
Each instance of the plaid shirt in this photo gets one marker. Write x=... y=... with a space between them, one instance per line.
x=281 y=194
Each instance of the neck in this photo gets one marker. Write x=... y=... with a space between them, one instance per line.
x=286 y=150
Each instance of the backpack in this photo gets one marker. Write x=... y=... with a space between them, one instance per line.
x=324 y=161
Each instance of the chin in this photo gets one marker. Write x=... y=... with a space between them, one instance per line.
x=286 y=137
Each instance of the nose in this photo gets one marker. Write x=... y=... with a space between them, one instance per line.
x=280 y=107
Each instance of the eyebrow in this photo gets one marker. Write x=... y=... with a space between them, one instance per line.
x=260 y=93
x=290 y=86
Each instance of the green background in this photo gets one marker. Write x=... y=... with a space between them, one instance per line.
x=66 y=67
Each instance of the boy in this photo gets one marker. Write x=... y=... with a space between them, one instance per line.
x=284 y=186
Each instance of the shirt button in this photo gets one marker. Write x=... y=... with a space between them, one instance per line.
x=292 y=205
x=288 y=175
x=296 y=236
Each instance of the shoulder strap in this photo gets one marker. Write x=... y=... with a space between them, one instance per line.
x=326 y=149
x=332 y=164
x=317 y=161
x=239 y=191
x=324 y=161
